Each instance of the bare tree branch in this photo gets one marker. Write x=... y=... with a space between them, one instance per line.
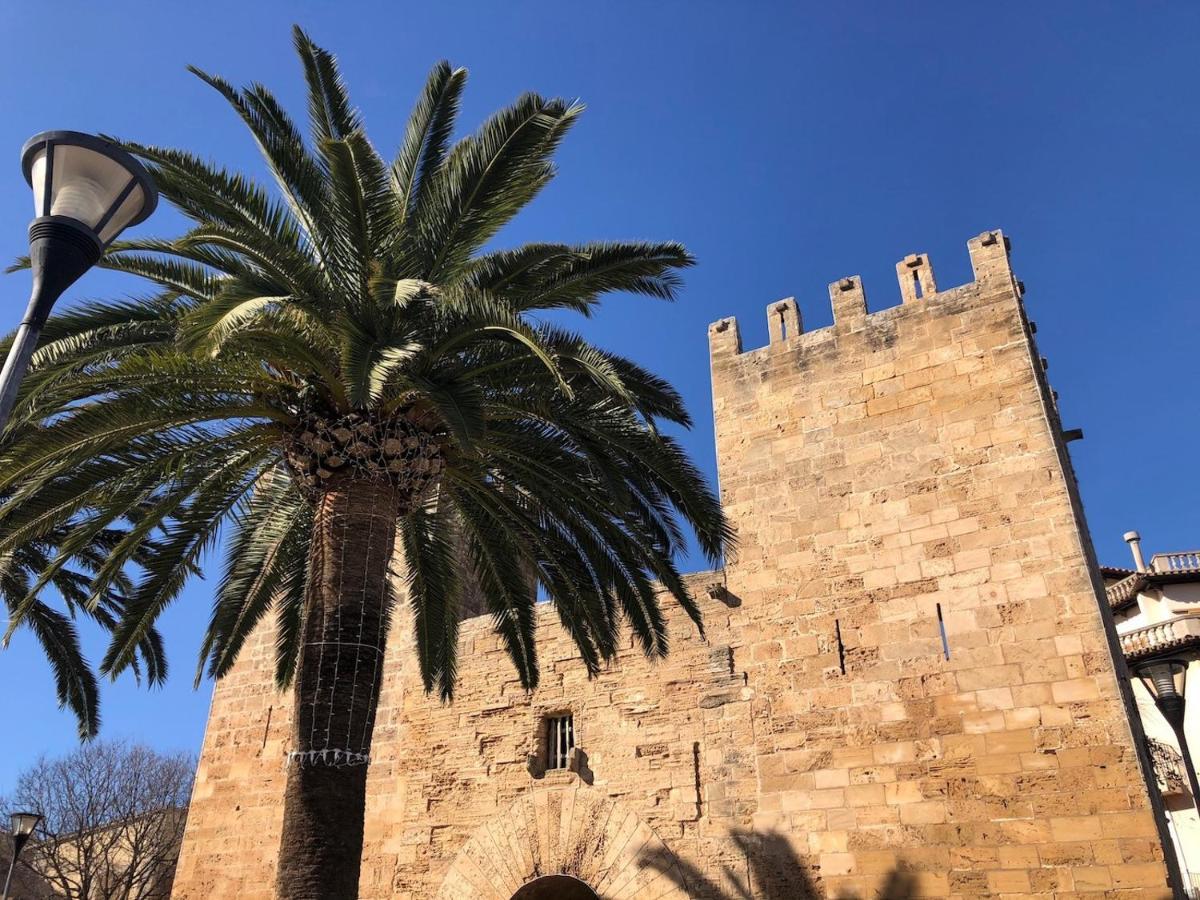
x=113 y=820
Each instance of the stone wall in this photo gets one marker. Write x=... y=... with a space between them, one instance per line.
x=895 y=475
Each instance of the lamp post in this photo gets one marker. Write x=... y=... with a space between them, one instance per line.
x=23 y=824
x=86 y=191
x=1165 y=679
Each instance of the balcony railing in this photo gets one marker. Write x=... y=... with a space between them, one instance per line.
x=1124 y=590
x=1175 y=562
x=1161 y=636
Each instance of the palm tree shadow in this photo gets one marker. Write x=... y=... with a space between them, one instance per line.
x=774 y=871
x=899 y=885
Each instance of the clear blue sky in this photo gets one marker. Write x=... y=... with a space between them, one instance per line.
x=787 y=144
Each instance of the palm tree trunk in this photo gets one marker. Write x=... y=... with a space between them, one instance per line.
x=337 y=691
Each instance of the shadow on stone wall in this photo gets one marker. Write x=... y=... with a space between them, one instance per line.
x=773 y=871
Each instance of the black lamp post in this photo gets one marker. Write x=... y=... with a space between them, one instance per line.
x=1166 y=679
x=23 y=824
x=86 y=191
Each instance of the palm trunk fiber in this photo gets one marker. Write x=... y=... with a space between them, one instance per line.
x=337 y=691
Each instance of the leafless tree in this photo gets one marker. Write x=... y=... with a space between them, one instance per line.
x=114 y=815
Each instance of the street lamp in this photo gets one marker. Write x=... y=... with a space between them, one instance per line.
x=86 y=191
x=1165 y=679
x=23 y=824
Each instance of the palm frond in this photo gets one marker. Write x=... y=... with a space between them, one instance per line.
x=264 y=553
x=487 y=178
x=434 y=583
x=329 y=110
x=351 y=291
x=427 y=136
x=297 y=174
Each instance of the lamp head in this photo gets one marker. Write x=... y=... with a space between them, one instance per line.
x=89 y=181
x=1166 y=680
x=23 y=823
x=86 y=191
x=1163 y=678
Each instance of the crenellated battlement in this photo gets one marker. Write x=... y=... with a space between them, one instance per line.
x=989 y=254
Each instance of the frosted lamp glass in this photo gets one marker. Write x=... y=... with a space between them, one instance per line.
x=37 y=179
x=1167 y=678
x=85 y=183
x=23 y=823
x=124 y=215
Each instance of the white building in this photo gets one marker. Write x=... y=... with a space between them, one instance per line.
x=1156 y=606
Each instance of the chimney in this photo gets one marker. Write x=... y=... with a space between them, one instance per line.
x=1134 y=540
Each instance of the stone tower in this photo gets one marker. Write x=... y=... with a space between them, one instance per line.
x=907 y=686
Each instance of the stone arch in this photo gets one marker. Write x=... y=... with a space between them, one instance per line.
x=574 y=831
x=554 y=887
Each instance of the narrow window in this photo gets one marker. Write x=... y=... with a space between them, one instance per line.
x=837 y=629
x=916 y=284
x=560 y=741
x=782 y=326
x=942 y=630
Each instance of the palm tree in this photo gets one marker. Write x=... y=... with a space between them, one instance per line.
x=330 y=372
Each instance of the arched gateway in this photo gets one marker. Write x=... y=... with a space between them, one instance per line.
x=569 y=843
x=555 y=887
